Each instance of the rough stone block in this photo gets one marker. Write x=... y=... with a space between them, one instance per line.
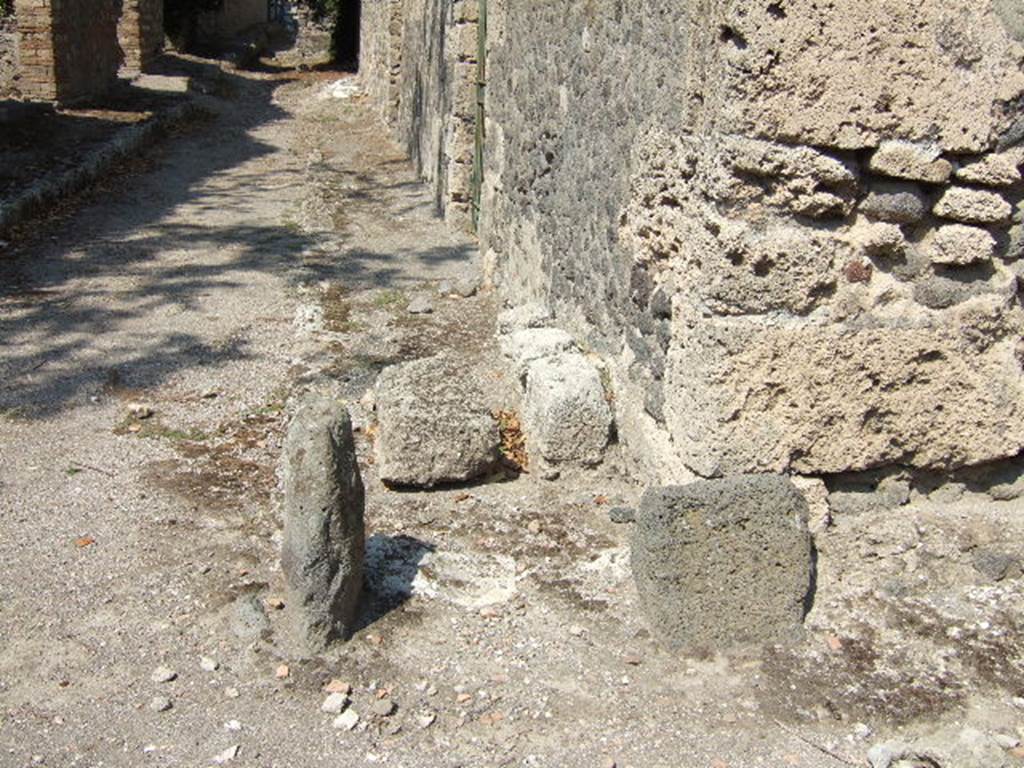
x=931 y=74
x=742 y=396
x=525 y=346
x=973 y=206
x=904 y=160
x=324 y=537
x=722 y=562
x=895 y=203
x=958 y=244
x=995 y=170
x=530 y=315
x=567 y=417
x=434 y=425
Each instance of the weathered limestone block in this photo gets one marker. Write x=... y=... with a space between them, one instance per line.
x=522 y=317
x=434 y=425
x=973 y=206
x=994 y=170
x=324 y=537
x=722 y=562
x=915 y=162
x=745 y=396
x=932 y=73
x=896 y=203
x=525 y=346
x=959 y=244
x=878 y=239
x=566 y=416
x=746 y=269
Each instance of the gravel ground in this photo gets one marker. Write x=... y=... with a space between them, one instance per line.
x=272 y=251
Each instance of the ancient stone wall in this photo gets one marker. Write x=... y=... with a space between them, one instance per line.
x=380 y=55
x=68 y=48
x=141 y=32
x=8 y=57
x=419 y=63
x=794 y=228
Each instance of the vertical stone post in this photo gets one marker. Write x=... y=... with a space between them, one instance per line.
x=141 y=33
x=68 y=48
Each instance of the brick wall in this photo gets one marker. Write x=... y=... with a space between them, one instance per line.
x=141 y=32
x=68 y=49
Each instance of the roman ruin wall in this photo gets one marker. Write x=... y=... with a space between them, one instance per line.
x=68 y=49
x=419 y=62
x=794 y=229
x=141 y=32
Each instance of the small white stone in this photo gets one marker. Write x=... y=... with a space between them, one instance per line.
x=209 y=665
x=1006 y=741
x=346 y=720
x=426 y=720
x=232 y=725
x=227 y=755
x=163 y=675
x=160 y=704
x=140 y=410
x=334 y=704
x=421 y=305
x=231 y=693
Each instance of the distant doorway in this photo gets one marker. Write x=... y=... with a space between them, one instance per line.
x=346 y=34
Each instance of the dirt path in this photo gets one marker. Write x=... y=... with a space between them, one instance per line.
x=269 y=252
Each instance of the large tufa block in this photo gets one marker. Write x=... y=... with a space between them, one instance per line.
x=721 y=562
x=435 y=426
x=743 y=396
x=567 y=416
x=324 y=536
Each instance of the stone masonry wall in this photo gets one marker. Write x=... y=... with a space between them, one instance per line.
x=419 y=64
x=68 y=48
x=794 y=228
x=141 y=32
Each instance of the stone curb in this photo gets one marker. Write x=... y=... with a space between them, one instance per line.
x=55 y=187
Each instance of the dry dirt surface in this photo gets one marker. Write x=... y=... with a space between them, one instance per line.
x=153 y=339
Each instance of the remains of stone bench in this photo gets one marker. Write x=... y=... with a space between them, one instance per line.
x=55 y=187
x=722 y=562
x=567 y=418
x=324 y=536
x=524 y=316
x=435 y=427
x=522 y=347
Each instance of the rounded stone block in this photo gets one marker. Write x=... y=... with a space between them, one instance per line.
x=723 y=562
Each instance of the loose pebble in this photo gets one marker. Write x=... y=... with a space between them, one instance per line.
x=163 y=675
x=334 y=703
x=1006 y=741
x=338 y=686
x=383 y=707
x=227 y=755
x=282 y=671
x=209 y=665
x=347 y=720
x=160 y=704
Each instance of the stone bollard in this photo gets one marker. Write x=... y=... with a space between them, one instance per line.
x=721 y=562
x=324 y=538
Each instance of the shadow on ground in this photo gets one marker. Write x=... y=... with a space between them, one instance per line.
x=54 y=316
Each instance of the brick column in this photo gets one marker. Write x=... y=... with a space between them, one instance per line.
x=68 y=49
x=141 y=32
